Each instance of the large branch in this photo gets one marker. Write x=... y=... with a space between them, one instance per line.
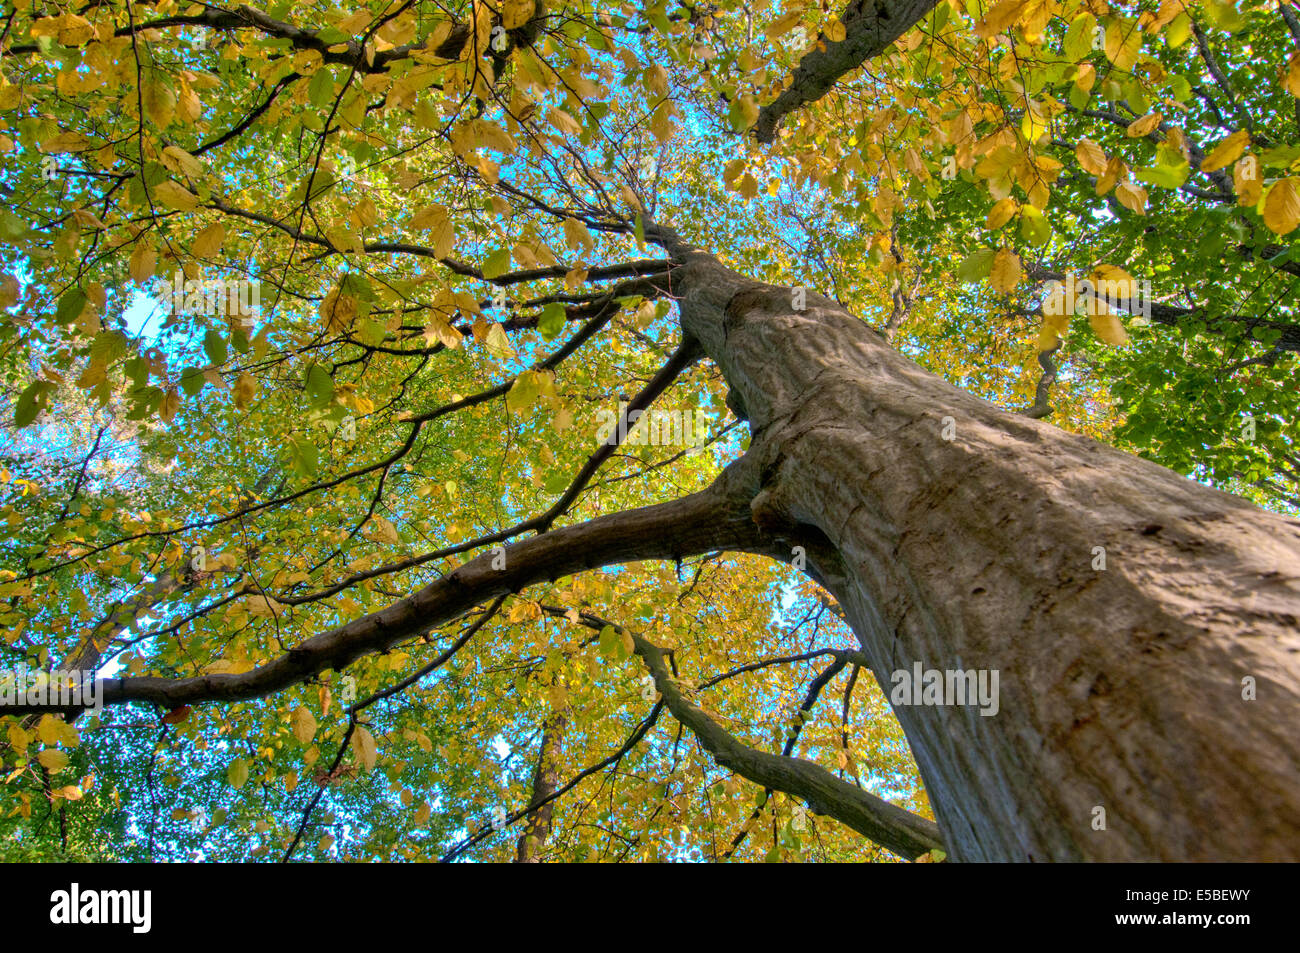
x=883 y=823
x=869 y=27
x=715 y=518
x=348 y=52
x=886 y=824
x=1173 y=315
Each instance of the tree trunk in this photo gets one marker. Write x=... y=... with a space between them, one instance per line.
x=1121 y=688
x=546 y=780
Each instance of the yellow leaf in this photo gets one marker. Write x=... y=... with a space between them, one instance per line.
x=1091 y=157
x=576 y=234
x=1116 y=169
x=1114 y=282
x=264 y=607
x=159 y=102
x=1246 y=181
x=493 y=136
x=1282 y=206
x=434 y=218
x=1106 y=323
x=565 y=123
x=178 y=160
x=1005 y=273
x=384 y=531
x=17 y=737
x=438 y=330
x=366 y=213
x=208 y=242
x=1132 y=197
x=784 y=24
x=1141 y=127
x=835 y=32
x=303 y=723
x=1123 y=44
x=1226 y=152
x=515 y=13
x=1001 y=213
x=244 y=389
x=175 y=195
x=748 y=110
x=363 y=745
x=1292 y=78
x=237 y=773
x=143 y=261
x=1000 y=16
x=48 y=730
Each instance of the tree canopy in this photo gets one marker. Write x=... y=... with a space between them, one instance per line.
x=318 y=317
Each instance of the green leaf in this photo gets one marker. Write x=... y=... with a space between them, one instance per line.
x=237 y=773
x=108 y=346
x=1178 y=31
x=976 y=265
x=370 y=331
x=12 y=228
x=320 y=386
x=304 y=457
x=523 y=392
x=497 y=264
x=1078 y=38
x=192 y=380
x=71 y=305
x=1034 y=226
x=552 y=320
x=1166 y=176
x=611 y=645
x=214 y=346
x=321 y=88
x=556 y=482
x=30 y=402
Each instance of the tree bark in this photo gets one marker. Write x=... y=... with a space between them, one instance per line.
x=884 y=823
x=546 y=780
x=870 y=26
x=1121 y=688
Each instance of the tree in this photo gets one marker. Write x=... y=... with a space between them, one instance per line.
x=487 y=434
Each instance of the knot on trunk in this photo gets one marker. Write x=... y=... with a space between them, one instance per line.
x=769 y=514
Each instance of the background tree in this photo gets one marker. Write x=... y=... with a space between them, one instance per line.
x=367 y=581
